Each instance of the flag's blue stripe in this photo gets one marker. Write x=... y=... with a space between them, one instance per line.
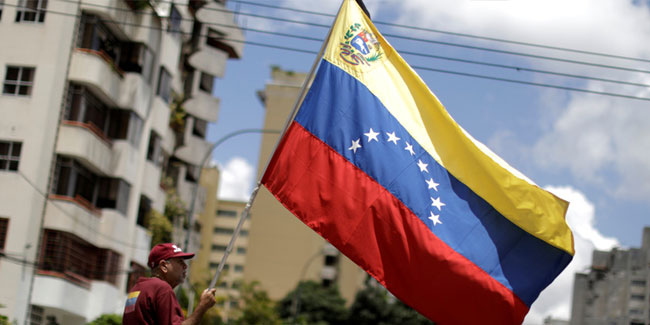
x=339 y=109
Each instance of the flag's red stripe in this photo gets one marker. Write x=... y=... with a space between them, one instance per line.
x=383 y=236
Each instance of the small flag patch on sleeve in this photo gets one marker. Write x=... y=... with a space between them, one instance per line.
x=130 y=301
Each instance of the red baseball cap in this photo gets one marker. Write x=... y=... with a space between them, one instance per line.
x=165 y=251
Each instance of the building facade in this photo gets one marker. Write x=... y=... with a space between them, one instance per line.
x=281 y=249
x=616 y=289
x=102 y=102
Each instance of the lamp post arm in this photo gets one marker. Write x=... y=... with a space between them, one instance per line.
x=190 y=213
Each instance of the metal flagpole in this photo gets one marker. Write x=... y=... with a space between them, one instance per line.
x=299 y=101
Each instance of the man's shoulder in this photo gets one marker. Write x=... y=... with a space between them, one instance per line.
x=152 y=283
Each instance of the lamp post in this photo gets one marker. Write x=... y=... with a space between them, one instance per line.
x=190 y=213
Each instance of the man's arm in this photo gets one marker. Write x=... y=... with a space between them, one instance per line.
x=206 y=301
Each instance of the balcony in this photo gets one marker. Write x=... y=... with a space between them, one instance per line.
x=126 y=20
x=212 y=13
x=67 y=214
x=160 y=117
x=135 y=93
x=185 y=190
x=84 y=143
x=57 y=293
x=124 y=161
x=97 y=71
x=194 y=147
x=151 y=183
x=203 y=105
x=194 y=150
x=209 y=59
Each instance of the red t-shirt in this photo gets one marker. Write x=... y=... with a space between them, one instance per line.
x=152 y=301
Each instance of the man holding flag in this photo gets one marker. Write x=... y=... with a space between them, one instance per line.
x=373 y=162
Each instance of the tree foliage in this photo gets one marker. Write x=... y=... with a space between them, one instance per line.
x=257 y=307
x=373 y=305
x=316 y=304
x=107 y=319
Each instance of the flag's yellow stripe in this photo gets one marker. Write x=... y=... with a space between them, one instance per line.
x=410 y=101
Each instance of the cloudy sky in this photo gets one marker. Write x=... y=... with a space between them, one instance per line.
x=592 y=150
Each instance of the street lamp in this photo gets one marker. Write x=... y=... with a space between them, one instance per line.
x=190 y=213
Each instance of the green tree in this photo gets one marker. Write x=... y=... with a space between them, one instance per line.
x=257 y=307
x=370 y=307
x=107 y=319
x=373 y=305
x=316 y=304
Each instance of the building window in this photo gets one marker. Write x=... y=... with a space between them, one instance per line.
x=4 y=229
x=31 y=11
x=144 y=210
x=175 y=20
x=192 y=173
x=638 y=282
x=135 y=272
x=18 y=81
x=125 y=125
x=9 y=155
x=206 y=82
x=241 y=250
x=227 y=213
x=243 y=233
x=200 y=128
x=86 y=108
x=154 y=150
x=96 y=36
x=223 y=231
x=637 y=297
x=214 y=38
x=36 y=315
x=164 y=85
x=331 y=260
x=113 y=194
x=137 y=57
x=75 y=181
x=221 y=248
x=71 y=257
x=239 y=268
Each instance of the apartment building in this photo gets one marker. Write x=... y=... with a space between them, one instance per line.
x=281 y=249
x=616 y=289
x=102 y=100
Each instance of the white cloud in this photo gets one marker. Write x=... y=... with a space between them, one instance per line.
x=236 y=180
x=602 y=141
x=607 y=25
x=555 y=300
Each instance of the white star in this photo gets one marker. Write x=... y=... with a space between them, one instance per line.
x=435 y=219
x=436 y=203
x=392 y=137
x=372 y=135
x=355 y=145
x=432 y=184
x=409 y=148
x=423 y=166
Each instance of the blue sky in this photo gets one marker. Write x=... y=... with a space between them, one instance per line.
x=589 y=149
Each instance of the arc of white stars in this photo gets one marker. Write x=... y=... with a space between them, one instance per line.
x=435 y=219
x=409 y=148
x=372 y=135
x=436 y=203
x=355 y=145
x=432 y=184
x=392 y=137
x=423 y=166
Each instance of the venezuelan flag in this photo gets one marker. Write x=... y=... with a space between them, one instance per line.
x=131 y=299
x=374 y=163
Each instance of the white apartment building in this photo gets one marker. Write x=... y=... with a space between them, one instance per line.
x=86 y=138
